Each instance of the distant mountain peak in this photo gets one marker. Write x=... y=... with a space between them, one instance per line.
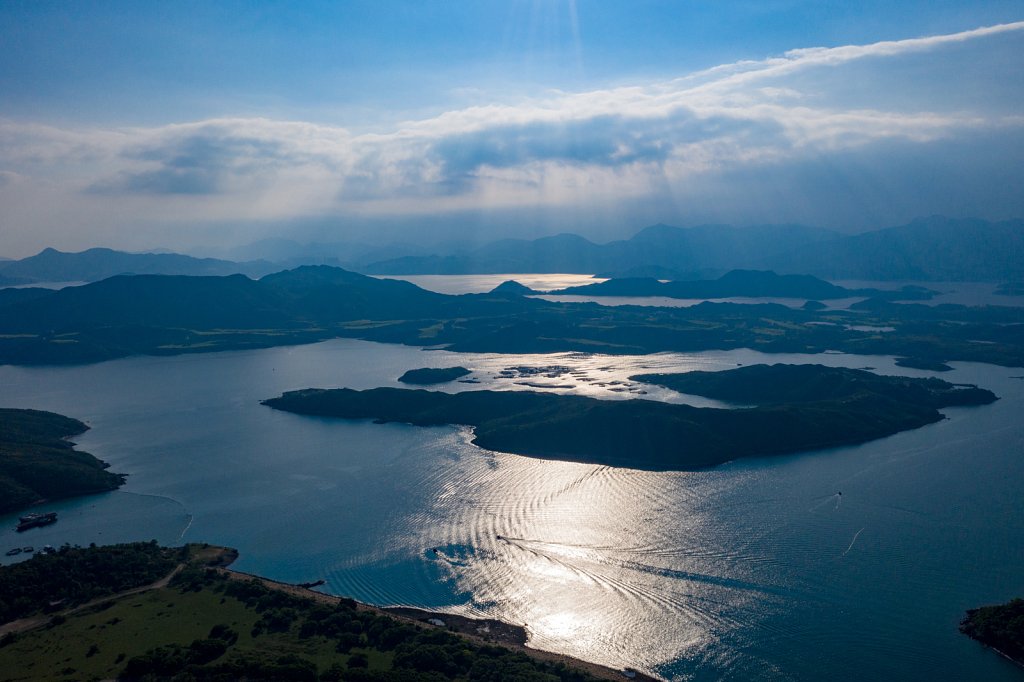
x=510 y=286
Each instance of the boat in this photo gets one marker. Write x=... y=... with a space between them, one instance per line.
x=28 y=550
x=33 y=520
x=12 y=552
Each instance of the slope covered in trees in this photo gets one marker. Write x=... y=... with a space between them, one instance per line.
x=36 y=462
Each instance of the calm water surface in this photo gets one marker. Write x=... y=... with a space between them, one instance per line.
x=755 y=570
x=477 y=284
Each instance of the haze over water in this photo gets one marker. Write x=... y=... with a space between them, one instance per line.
x=755 y=569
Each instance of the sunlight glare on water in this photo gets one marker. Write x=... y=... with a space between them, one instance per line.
x=753 y=569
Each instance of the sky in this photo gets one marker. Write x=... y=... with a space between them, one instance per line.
x=200 y=125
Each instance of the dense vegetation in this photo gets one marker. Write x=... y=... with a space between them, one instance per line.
x=780 y=384
x=152 y=314
x=74 y=575
x=828 y=408
x=37 y=463
x=210 y=625
x=1000 y=627
x=432 y=375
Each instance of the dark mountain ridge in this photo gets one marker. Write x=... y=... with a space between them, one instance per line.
x=168 y=314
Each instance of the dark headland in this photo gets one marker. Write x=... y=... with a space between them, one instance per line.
x=37 y=462
x=819 y=407
x=433 y=375
x=1000 y=627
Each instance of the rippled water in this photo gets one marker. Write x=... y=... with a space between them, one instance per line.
x=757 y=569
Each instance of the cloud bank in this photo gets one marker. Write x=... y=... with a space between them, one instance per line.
x=849 y=137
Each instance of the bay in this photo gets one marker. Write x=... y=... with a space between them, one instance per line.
x=759 y=569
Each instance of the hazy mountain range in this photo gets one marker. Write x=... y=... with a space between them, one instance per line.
x=50 y=265
x=936 y=249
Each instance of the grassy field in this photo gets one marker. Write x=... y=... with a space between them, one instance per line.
x=94 y=644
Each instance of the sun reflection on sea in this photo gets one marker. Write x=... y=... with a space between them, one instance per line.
x=574 y=554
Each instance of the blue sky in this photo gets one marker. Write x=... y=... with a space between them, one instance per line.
x=137 y=125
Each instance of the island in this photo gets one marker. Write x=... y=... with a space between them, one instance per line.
x=800 y=384
x=1000 y=627
x=821 y=407
x=923 y=363
x=433 y=375
x=140 y=611
x=37 y=462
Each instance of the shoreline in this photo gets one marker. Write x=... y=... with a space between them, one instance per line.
x=482 y=631
x=1011 y=659
x=487 y=631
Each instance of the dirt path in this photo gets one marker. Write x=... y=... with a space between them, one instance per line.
x=37 y=621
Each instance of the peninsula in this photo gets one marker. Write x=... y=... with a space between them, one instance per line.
x=38 y=463
x=1000 y=627
x=822 y=407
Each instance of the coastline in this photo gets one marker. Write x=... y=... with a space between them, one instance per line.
x=1011 y=659
x=481 y=630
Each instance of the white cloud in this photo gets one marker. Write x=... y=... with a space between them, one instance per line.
x=555 y=150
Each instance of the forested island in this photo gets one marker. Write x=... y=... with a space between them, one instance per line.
x=433 y=375
x=38 y=463
x=797 y=384
x=820 y=407
x=1000 y=627
x=139 y=611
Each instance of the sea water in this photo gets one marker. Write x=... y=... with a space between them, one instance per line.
x=853 y=563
